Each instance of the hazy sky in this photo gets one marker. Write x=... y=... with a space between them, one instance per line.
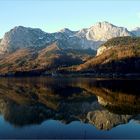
x=53 y=15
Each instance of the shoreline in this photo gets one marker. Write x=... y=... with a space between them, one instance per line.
x=87 y=75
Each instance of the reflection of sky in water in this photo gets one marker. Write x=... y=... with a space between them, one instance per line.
x=53 y=111
x=55 y=129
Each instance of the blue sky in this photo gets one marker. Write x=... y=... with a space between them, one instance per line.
x=53 y=15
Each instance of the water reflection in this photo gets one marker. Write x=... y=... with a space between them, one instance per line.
x=100 y=102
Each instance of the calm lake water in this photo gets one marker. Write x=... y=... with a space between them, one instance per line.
x=69 y=108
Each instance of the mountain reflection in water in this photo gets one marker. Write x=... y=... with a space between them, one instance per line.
x=101 y=102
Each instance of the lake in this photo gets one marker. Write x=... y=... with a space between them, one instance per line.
x=83 y=108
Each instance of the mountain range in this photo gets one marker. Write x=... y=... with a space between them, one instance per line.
x=33 y=50
x=22 y=37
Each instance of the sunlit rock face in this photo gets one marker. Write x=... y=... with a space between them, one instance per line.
x=20 y=37
x=102 y=31
x=101 y=50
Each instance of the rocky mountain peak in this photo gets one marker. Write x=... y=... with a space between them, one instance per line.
x=103 y=24
x=20 y=37
x=104 y=30
x=67 y=31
